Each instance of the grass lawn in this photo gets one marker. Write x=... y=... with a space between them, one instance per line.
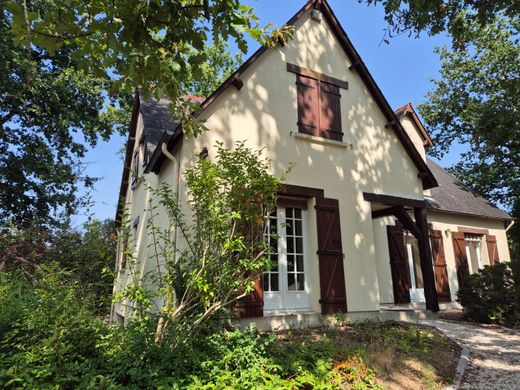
x=385 y=355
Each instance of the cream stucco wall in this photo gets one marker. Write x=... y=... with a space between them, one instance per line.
x=414 y=134
x=264 y=114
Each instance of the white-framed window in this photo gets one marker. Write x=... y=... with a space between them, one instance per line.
x=286 y=286
x=474 y=252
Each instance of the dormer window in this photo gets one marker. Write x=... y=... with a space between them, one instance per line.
x=319 y=103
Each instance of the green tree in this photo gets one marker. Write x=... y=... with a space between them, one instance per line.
x=89 y=254
x=451 y=16
x=476 y=103
x=217 y=252
x=219 y=65
x=138 y=43
x=50 y=113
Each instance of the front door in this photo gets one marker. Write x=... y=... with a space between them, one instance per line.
x=287 y=286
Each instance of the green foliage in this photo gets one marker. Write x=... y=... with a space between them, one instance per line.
x=88 y=254
x=206 y=78
x=207 y=260
x=493 y=295
x=475 y=104
x=48 y=335
x=135 y=43
x=50 y=113
x=433 y=17
x=49 y=338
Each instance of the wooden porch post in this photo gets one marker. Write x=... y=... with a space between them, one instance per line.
x=430 y=292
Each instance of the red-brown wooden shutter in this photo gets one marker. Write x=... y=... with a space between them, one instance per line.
x=398 y=264
x=492 y=248
x=442 y=283
x=253 y=304
x=330 y=255
x=461 y=258
x=308 y=105
x=330 y=112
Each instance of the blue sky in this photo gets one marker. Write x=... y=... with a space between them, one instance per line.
x=403 y=69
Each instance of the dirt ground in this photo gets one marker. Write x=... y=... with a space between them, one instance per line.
x=401 y=356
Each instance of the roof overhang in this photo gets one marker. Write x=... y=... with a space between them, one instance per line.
x=130 y=143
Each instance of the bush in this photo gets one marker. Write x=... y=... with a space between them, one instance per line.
x=50 y=337
x=493 y=295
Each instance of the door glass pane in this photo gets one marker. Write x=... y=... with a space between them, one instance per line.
x=265 y=282
x=294 y=239
x=299 y=245
x=270 y=279
x=301 y=282
x=299 y=263
x=290 y=263
x=473 y=245
x=291 y=286
x=290 y=244
x=274 y=282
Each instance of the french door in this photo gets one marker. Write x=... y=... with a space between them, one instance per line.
x=414 y=267
x=286 y=286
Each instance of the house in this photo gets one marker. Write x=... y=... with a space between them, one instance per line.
x=377 y=226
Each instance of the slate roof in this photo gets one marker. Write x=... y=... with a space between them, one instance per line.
x=157 y=119
x=453 y=196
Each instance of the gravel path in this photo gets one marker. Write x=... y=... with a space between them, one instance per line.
x=494 y=360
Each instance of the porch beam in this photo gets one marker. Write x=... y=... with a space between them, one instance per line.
x=408 y=222
x=384 y=212
x=391 y=200
x=425 y=254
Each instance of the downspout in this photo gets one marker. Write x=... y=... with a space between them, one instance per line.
x=510 y=225
x=170 y=297
x=166 y=152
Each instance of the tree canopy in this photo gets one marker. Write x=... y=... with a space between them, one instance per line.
x=476 y=102
x=50 y=113
x=70 y=65
x=138 y=43
x=433 y=17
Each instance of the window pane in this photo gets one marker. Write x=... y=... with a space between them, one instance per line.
x=289 y=228
x=290 y=245
x=299 y=245
x=298 y=227
x=299 y=263
x=274 y=282
x=274 y=263
x=290 y=263
x=298 y=213
x=291 y=282
x=301 y=282
x=265 y=282
x=289 y=212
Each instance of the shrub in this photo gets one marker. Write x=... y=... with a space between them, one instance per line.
x=492 y=295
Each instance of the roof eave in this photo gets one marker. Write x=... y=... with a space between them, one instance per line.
x=130 y=143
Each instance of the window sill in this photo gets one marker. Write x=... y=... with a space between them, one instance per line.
x=319 y=140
